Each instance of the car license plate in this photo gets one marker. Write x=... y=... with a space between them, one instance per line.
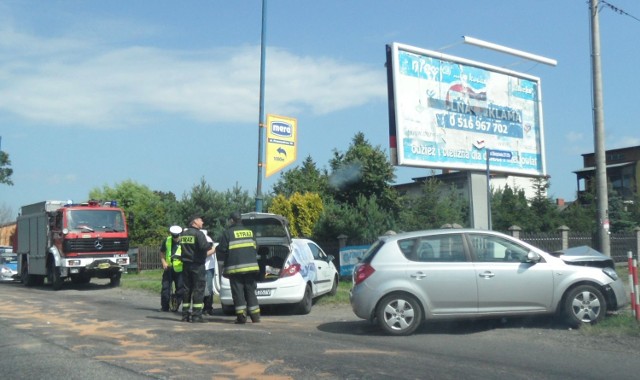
x=263 y=292
x=103 y=265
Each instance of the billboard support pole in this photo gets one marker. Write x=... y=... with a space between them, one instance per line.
x=487 y=150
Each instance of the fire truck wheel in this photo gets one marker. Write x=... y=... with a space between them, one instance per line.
x=53 y=277
x=115 y=280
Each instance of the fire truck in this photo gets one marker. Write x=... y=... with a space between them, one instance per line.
x=56 y=240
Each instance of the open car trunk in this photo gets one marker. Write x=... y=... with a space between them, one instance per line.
x=274 y=241
x=271 y=259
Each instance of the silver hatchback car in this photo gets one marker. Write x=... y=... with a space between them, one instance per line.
x=408 y=278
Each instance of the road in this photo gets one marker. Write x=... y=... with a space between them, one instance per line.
x=97 y=332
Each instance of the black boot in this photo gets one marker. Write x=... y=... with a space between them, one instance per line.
x=186 y=316
x=255 y=317
x=208 y=305
x=241 y=319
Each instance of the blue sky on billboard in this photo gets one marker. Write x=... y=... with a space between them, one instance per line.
x=166 y=93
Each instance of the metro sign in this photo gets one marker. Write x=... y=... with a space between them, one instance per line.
x=281 y=143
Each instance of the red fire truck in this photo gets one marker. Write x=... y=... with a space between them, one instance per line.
x=56 y=240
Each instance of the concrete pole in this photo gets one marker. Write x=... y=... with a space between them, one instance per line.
x=598 y=132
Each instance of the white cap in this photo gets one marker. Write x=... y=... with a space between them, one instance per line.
x=175 y=230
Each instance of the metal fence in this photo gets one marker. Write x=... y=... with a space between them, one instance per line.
x=146 y=258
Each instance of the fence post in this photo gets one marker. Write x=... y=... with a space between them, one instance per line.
x=515 y=231
x=564 y=231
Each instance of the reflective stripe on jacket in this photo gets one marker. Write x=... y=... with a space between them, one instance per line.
x=242 y=250
x=175 y=263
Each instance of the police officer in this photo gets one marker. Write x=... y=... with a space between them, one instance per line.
x=238 y=250
x=172 y=267
x=194 y=253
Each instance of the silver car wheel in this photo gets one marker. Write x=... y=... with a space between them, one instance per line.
x=585 y=304
x=399 y=314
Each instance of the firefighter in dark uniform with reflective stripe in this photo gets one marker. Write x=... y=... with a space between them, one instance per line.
x=238 y=250
x=194 y=254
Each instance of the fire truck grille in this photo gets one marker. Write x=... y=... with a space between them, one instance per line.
x=96 y=245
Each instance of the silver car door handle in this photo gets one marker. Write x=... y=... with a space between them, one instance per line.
x=419 y=275
x=487 y=274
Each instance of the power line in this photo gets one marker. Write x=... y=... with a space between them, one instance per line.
x=618 y=10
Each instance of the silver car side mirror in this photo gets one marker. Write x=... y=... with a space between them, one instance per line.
x=532 y=257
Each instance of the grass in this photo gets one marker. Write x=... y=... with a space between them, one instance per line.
x=621 y=324
x=150 y=281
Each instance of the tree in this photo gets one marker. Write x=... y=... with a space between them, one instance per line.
x=303 y=179
x=545 y=213
x=620 y=213
x=170 y=204
x=509 y=207
x=301 y=210
x=434 y=207
x=5 y=169
x=363 y=221
x=363 y=171
x=580 y=217
x=143 y=205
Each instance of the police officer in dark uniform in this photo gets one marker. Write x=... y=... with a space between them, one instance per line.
x=238 y=250
x=170 y=252
x=194 y=254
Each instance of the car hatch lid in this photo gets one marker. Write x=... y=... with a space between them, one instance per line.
x=268 y=228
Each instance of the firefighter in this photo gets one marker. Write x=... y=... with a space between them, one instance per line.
x=194 y=253
x=170 y=250
x=238 y=250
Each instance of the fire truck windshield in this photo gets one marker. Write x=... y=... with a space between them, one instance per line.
x=95 y=220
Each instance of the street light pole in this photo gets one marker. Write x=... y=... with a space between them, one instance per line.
x=261 y=112
x=602 y=197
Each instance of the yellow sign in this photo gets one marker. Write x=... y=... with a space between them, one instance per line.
x=281 y=142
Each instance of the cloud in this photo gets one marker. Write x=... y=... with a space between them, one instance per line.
x=72 y=82
x=574 y=137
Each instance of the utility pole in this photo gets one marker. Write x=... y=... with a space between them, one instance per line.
x=602 y=196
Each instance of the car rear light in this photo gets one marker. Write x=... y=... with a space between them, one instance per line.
x=362 y=272
x=290 y=270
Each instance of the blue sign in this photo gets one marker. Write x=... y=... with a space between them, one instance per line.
x=503 y=154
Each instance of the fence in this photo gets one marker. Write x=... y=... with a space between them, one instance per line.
x=146 y=258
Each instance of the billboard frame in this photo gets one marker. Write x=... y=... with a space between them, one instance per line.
x=412 y=144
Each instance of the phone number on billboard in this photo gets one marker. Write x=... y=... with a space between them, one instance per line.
x=479 y=124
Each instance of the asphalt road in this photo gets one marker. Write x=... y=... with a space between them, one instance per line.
x=97 y=332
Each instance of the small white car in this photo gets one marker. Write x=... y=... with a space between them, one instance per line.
x=292 y=271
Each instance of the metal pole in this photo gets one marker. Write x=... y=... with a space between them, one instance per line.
x=487 y=150
x=598 y=133
x=261 y=116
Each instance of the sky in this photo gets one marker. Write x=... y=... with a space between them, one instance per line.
x=166 y=93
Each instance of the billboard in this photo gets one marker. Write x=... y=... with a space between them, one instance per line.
x=447 y=112
x=281 y=143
